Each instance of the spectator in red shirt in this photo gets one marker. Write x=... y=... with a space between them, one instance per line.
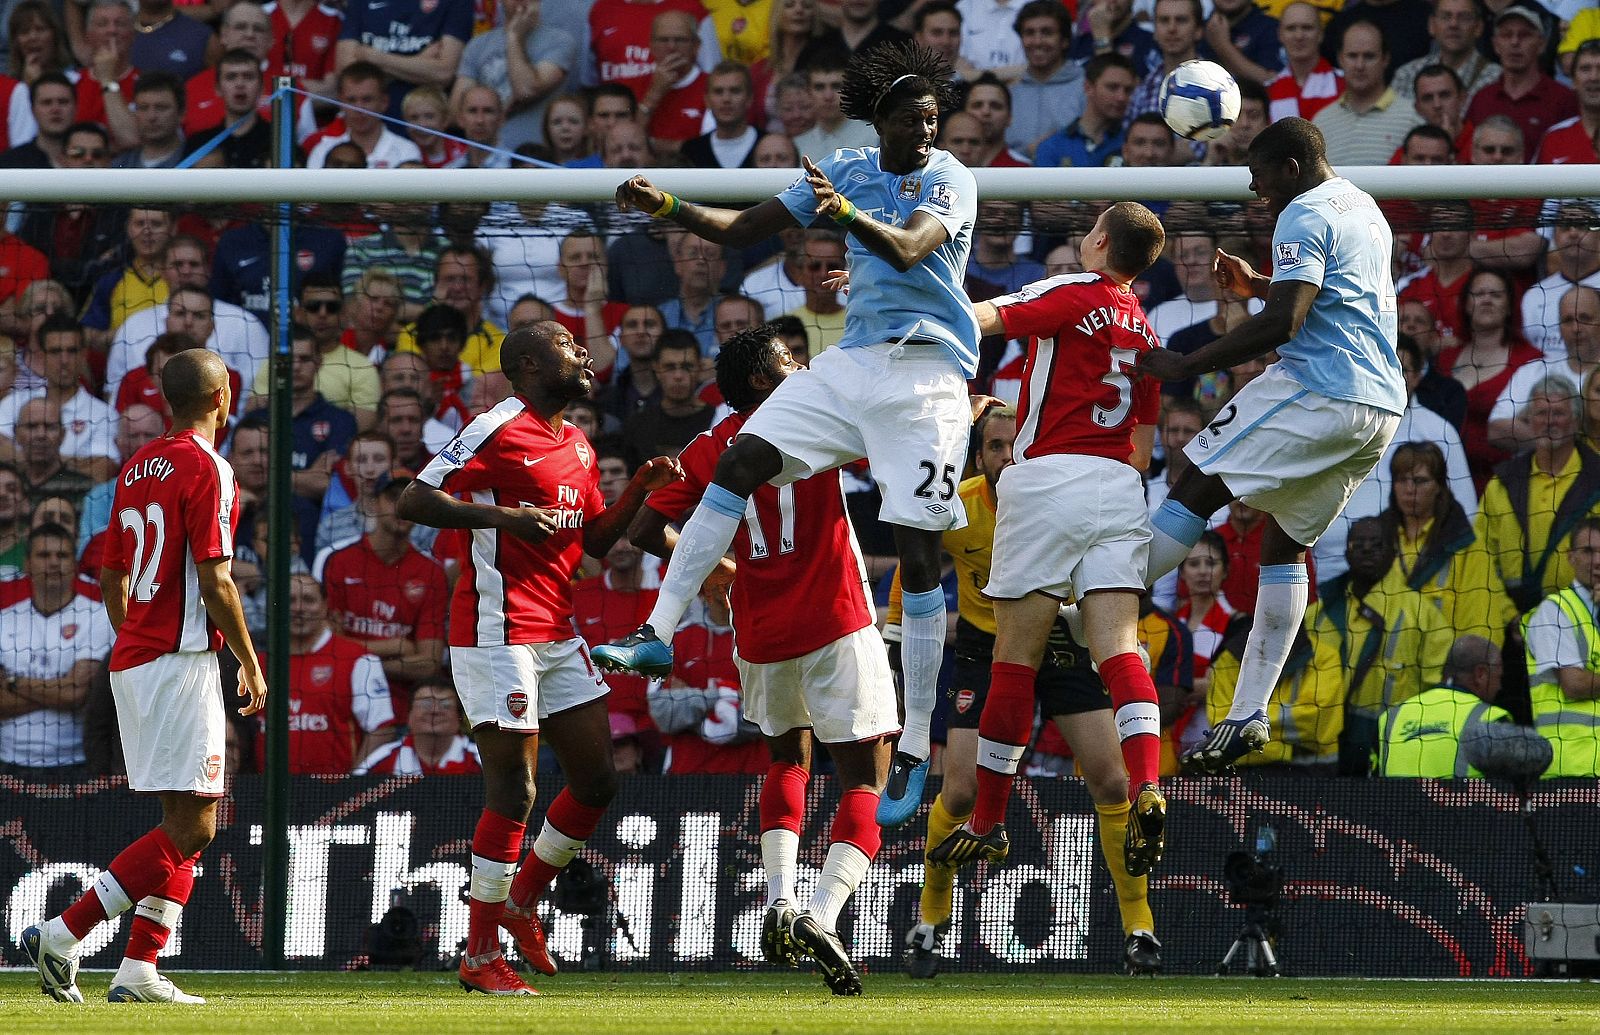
x=1441 y=101
x=1439 y=284
x=613 y=604
x=1572 y=141
x=433 y=745
x=244 y=26
x=386 y=595
x=674 y=104
x=105 y=84
x=1523 y=93
x=1506 y=235
x=339 y=704
x=697 y=708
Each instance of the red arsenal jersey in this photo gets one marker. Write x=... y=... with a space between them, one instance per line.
x=400 y=758
x=603 y=613
x=374 y=600
x=304 y=51
x=337 y=692
x=682 y=113
x=1566 y=143
x=1443 y=301
x=800 y=582
x=619 y=32
x=1079 y=395
x=702 y=657
x=175 y=507
x=511 y=590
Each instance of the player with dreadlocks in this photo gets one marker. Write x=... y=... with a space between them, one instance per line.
x=825 y=679
x=893 y=392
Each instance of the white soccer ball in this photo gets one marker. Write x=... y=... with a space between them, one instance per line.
x=1200 y=100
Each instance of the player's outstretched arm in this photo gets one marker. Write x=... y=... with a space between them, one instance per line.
x=900 y=246
x=222 y=601
x=738 y=228
x=1279 y=319
x=601 y=533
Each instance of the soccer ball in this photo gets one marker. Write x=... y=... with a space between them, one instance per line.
x=1199 y=100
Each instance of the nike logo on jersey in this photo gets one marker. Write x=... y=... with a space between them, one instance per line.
x=971 y=549
x=529 y=463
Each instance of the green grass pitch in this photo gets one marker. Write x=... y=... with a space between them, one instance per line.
x=770 y=1004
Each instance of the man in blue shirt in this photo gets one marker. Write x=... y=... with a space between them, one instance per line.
x=1094 y=138
x=415 y=42
x=894 y=390
x=1243 y=38
x=1297 y=440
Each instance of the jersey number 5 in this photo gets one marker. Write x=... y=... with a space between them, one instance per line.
x=1122 y=362
x=145 y=563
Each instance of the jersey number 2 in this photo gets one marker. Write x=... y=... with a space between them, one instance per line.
x=145 y=563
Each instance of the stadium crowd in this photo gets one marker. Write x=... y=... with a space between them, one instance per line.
x=1481 y=513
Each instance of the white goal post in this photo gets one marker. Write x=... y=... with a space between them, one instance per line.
x=241 y=186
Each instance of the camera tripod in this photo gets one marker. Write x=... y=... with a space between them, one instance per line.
x=1259 y=958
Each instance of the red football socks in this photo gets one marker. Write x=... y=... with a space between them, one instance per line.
x=1003 y=735
x=1138 y=717
x=139 y=870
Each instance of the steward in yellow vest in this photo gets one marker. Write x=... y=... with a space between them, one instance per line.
x=1421 y=737
x=1564 y=662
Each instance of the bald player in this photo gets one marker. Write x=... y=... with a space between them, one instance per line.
x=170 y=596
x=527 y=485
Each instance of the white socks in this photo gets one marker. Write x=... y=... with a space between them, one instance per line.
x=780 y=853
x=841 y=875
x=705 y=538
x=1280 y=608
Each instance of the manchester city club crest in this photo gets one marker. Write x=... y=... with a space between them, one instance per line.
x=911 y=188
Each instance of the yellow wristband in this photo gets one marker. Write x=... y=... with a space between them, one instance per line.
x=847 y=212
x=669 y=206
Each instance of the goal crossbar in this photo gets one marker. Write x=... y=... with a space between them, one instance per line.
x=240 y=186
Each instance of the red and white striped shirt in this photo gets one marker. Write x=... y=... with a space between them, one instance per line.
x=1287 y=98
x=175 y=508
x=511 y=590
x=400 y=758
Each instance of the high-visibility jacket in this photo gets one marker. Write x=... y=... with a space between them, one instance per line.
x=1391 y=643
x=1306 y=707
x=1571 y=726
x=1422 y=736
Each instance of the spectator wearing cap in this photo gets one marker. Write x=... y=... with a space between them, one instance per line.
x=1585 y=26
x=1049 y=93
x=1369 y=121
x=1572 y=141
x=433 y=745
x=1523 y=93
x=524 y=60
x=1455 y=28
x=1403 y=24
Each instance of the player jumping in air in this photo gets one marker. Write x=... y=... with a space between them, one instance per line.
x=1297 y=440
x=1069 y=692
x=170 y=595
x=1071 y=522
x=826 y=677
x=531 y=496
x=893 y=392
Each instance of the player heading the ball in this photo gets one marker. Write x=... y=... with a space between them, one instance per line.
x=893 y=392
x=1297 y=440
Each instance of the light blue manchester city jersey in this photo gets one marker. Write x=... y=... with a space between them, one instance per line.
x=928 y=300
x=1334 y=236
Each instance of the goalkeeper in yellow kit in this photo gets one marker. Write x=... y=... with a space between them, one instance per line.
x=1069 y=692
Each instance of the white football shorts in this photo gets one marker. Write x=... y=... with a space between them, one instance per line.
x=843 y=691
x=173 y=723
x=903 y=407
x=1294 y=453
x=515 y=685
